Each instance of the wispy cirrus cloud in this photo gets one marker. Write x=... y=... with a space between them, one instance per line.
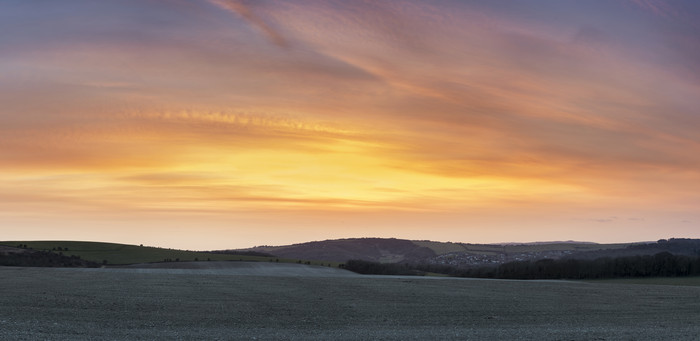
x=241 y=8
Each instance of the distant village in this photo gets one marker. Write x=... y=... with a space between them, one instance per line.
x=461 y=259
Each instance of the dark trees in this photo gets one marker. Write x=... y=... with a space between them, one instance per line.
x=662 y=264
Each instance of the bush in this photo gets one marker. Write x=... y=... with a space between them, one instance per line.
x=43 y=259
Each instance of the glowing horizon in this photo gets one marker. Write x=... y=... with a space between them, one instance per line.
x=223 y=124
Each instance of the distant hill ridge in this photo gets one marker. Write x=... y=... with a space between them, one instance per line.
x=392 y=250
x=547 y=242
x=334 y=252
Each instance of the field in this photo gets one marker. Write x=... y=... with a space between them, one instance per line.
x=689 y=281
x=214 y=301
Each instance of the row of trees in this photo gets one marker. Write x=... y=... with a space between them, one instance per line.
x=662 y=264
x=241 y=253
x=44 y=259
x=374 y=268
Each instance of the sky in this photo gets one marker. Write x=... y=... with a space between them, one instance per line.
x=216 y=124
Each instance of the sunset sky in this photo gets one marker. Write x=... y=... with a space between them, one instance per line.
x=218 y=124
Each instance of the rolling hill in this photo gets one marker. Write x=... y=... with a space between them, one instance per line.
x=334 y=252
x=120 y=254
x=469 y=255
x=408 y=251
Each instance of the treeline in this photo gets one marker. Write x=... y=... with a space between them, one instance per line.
x=676 y=246
x=662 y=264
x=241 y=253
x=374 y=268
x=44 y=259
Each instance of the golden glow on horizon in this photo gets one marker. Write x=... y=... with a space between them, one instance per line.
x=339 y=171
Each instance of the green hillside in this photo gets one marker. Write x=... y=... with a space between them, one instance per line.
x=115 y=254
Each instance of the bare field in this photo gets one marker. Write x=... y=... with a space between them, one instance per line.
x=128 y=303
x=691 y=281
x=234 y=268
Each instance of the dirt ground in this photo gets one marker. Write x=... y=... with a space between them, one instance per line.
x=132 y=304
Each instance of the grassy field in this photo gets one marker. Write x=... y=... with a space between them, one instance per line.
x=116 y=254
x=99 y=304
x=684 y=281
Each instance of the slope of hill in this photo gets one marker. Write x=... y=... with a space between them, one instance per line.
x=111 y=253
x=21 y=256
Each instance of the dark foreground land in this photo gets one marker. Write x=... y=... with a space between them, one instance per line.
x=146 y=304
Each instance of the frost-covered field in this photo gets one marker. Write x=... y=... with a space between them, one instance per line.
x=201 y=303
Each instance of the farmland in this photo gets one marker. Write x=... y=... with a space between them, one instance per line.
x=126 y=303
x=674 y=281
